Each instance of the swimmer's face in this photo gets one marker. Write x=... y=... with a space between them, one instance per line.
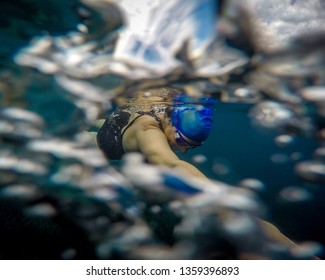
x=176 y=146
x=179 y=146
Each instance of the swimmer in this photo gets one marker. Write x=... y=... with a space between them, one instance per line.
x=158 y=123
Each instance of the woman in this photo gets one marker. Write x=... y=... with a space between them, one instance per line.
x=158 y=123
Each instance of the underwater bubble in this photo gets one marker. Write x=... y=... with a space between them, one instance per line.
x=30 y=57
x=24 y=131
x=284 y=140
x=82 y=28
x=313 y=94
x=320 y=154
x=311 y=170
x=19 y=191
x=199 y=159
x=177 y=207
x=90 y=109
x=316 y=96
x=6 y=127
x=18 y=114
x=239 y=199
x=22 y=165
x=18 y=126
x=252 y=184
x=54 y=146
x=31 y=167
x=83 y=89
x=41 y=210
x=220 y=169
x=279 y=158
x=99 y=180
x=204 y=200
x=242 y=92
x=103 y=193
x=307 y=249
x=189 y=224
x=133 y=158
x=238 y=224
x=7 y=161
x=138 y=172
x=40 y=45
x=271 y=114
x=147 y=94
x=155 y=209
x=68 y=149
x=93 y=157
x=67 y=174
x=77 y=39
x=68 y=254
x=246 y=95
x=295 y=194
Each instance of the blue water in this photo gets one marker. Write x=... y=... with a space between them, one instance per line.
x=246 y=150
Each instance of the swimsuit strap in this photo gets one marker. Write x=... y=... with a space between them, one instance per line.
x=151 y=114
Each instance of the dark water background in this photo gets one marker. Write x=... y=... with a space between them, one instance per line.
x=240 y=148
x=246 y=150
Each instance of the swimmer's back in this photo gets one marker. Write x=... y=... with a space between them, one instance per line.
x=109 y=137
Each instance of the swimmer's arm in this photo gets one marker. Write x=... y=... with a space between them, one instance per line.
x=153 y=144
x=274 y=234
x=155 y=147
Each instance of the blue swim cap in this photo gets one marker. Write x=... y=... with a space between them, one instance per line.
x=194 y=121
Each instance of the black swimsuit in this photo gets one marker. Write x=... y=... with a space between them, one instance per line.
x=110 y=135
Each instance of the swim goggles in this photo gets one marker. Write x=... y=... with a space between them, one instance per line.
x=180 y=140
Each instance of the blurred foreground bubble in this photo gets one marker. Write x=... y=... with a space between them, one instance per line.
x=19 y=124
x=19 y=191
x=19 y=114
x=239 y=224
x=247 y=95
x=221 y=166
x=69 y=149
x=284 y=140
x=199 y=159
x=314 y=94
x=311 y=170
x=271 y=114
x=41 y=210
x=240 y=199
x=295 y=194
x=21 y=165
x=252 y=184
